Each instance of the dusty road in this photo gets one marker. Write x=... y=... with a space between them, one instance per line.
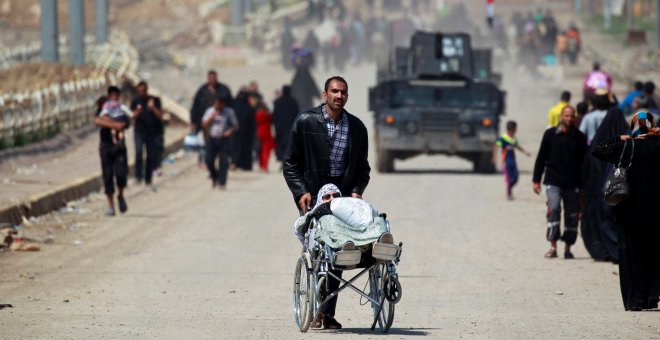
x=189 y=262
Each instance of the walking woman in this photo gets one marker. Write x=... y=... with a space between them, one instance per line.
x=639 y=258
x=264 y=121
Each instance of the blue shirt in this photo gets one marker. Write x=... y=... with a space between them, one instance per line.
x=508 y=145
x=627 y=102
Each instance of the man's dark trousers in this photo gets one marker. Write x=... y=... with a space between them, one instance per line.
x=114 y=165
x=218 y=148
x=144 y=140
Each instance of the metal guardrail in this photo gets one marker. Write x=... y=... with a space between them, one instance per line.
x=63 y=105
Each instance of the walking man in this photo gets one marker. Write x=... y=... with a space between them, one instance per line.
x=204 y=99
x=555 y=111
x=561 y=155
x=148 y=115
x=221 y=123
x=327 y=145
x=113 y=118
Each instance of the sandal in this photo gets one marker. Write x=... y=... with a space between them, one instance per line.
x=552 y=253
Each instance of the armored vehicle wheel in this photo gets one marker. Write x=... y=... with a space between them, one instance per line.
x=483 y=163
x=385 y=161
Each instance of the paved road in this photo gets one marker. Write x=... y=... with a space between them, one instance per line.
x=191 y=262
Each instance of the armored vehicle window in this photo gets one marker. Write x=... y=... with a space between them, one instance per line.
x=449 y=97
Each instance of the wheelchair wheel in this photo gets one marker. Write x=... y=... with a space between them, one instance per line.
x=303 y=293
x=378 y=278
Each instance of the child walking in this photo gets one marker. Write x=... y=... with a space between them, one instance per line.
x=508 y=143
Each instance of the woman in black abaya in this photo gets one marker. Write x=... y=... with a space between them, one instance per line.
x=598 y=226
x=639 y=258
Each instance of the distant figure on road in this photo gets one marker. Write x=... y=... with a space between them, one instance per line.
x=328 y=145
x=264 y=121
x=555 y=112
x=561 y=156
x=244 y=139
x=221 y=123
x=574 y=43
x=508 y=144
x=590 y=122
x=303 y=87
x=285 y=111
x=112 y=115
x=639 y=258
x=595 y=80
x=648 y=100
x=204 y=98
x=626 y=104
x=148 y=116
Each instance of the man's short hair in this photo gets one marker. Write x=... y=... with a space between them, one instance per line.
x=335 y=78
x=582 y=108
x=565 y=96
x=649 y=87
x=142 y=83
x=211 y=72
x=510 y=125
x=113 y=89
x=639 y=86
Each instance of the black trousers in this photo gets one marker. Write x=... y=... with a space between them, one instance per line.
x=218 y=148
x=114 y=166
x=144 y=170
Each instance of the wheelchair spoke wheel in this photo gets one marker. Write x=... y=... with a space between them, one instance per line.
x=303 y=294
x=378 y=278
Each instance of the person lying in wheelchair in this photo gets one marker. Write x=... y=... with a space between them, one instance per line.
x=345 y=233
x=344 y=223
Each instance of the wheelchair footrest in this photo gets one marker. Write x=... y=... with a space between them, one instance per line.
x=347 y=257
x=385 y=251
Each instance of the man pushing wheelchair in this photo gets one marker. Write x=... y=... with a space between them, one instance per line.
x=328 y=150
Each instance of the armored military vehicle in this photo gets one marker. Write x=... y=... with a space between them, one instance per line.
x=439 y=96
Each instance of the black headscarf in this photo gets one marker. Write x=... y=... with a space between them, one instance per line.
x=599 y=231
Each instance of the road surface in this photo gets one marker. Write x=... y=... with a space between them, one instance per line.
x=192 y=262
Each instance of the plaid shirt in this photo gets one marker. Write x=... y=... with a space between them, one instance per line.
x=225 y=120
x=338 y=137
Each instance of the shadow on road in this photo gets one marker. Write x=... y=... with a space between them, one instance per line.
x=392 y=331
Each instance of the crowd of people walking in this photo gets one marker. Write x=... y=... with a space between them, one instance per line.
x=584 y=152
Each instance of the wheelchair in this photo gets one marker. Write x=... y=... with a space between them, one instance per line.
x=313 y=267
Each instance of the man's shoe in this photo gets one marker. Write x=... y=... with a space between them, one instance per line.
x=331 y=323
x=110 y=212
x=122 y=204
x=568 y=255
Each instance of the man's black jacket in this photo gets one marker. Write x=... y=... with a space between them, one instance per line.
x=561 y=156
x=307 y=158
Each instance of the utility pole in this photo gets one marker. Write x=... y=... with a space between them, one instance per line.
x=77 y=32
x=236 y=13
x=48 y=31
x=101 y=21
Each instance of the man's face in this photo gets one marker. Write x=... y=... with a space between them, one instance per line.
x=219 y=105
x=113 y=96
x=336 y=95
x=567 y=117
x=212 y=78
x=142 y=90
